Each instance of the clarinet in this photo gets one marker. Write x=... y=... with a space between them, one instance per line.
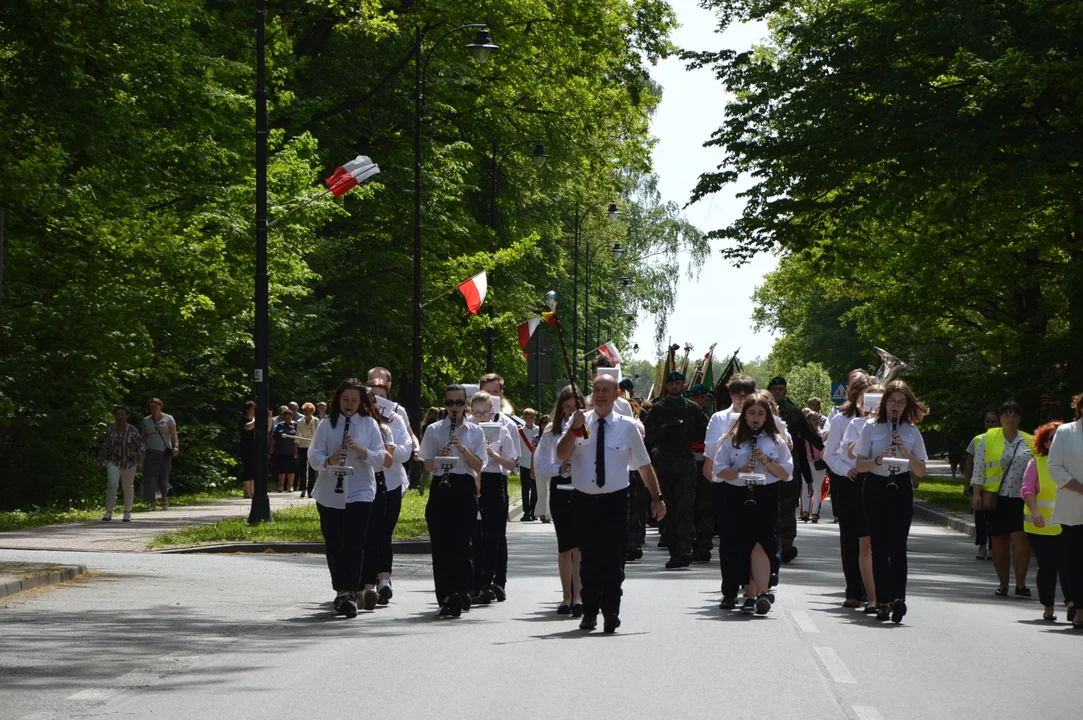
x=445 y=480
x=340 y=474
x=750 y=490
x=891 y=484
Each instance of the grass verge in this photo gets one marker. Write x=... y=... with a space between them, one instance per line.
x=300 y=523
x=23 y=519
x=944 y=492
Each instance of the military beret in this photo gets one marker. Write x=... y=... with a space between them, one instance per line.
x=675 y=375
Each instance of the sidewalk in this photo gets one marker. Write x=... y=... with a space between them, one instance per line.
x=18 y=576
x=117 y=536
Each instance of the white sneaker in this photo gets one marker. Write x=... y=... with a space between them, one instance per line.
x=107 y=517
x=127 y=517
x=165 y=503
x=982 y=551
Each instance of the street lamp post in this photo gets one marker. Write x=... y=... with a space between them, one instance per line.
x=617 y=249
x=613 y=213
x=481 y=48
x=539 y=156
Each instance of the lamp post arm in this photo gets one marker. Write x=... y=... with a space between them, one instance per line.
x=427 y=57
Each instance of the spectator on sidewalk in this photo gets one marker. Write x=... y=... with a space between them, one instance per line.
x=529 y=435
x=120 y=457
x=248 y=448
x=981 y=517
x=1066 y=470
x=306 y=430
x=284 y=436
x=1039 y=495
x=1000 y=458
x=159 y=433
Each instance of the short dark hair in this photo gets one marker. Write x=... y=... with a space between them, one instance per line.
x=120 y=407
x=601 y=361
x=742 y=385
x=488 y=378
x=453 y=388
x=1010 y=406
x=249 y=404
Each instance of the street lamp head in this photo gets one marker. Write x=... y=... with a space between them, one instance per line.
x=482 y=47
x=625 y=281
x=551 y=300
x=613 y=211
x=635 y=349
x=539 y=155
x=618 y=249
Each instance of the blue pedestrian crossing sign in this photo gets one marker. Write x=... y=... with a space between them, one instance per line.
x=838 y=392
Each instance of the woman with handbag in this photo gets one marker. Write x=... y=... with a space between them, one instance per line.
x=1000 y=459
x=159 y=433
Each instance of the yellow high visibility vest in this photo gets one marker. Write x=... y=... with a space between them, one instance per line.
x=994 y=450
x=1047 y=495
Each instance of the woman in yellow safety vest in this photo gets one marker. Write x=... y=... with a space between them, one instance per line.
x=999 y=461
x=1039 y=494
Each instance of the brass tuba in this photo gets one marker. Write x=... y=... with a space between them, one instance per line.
x=891 y=367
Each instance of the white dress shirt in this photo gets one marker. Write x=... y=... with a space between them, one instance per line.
x=533 y=434
x=775 y=448
x=359 y=487
x=836 y=453
x=506 y=447
x=1065 y=464
x=874 y=438
x=546 y=463
x=722 y=422
x=395 y=476
x=436 y=437
x=624 y=449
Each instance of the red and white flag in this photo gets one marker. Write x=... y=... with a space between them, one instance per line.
x=610 y=351
x=350 y=175
x=474 y=291
x=526 y=331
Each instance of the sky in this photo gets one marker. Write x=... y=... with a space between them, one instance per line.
x=693 y=106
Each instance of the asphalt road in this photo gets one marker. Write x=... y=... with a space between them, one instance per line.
x=190 y=636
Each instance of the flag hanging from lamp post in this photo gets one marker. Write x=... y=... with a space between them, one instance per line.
x=526 y=331
x=351 y=175
x=610 y=351
x=474 y=291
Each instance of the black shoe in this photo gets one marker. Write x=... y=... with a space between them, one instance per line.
x=729 y=602
x=871 y=610
x=702 y=556
x=687 y=560
x=883 y=613
x=369 y=598
x=526 y=518
x=385 y=593
x=577 y=610
x=1071 y=613
x=634 y=553
x=349 y=606
x=498 y=593
x=898 y=610
x=771 y=597
x=1023 y=592
x=453 y=606
x=676 y=563
x=610 y=624
x=763 y=604
x=1001 y=592
x=788 y=554
x=662 y=542
x=1049 y=617
x=564 y=609
x=337 y=604
x=465 y=602
x=589 y=622
x=482 y=597
x=749 y=606
x=773 y=580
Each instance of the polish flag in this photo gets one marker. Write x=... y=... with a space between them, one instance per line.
x=474 y=291
x=350 y=175
x=610 y=351
x=526 y=331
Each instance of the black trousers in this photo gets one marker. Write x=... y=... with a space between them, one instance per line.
x=730 y=582
x=530 y=490
x=639 y=503
x=344 y=542
x=846 y=505
x=385 y=516
x=491 y=555
x=888 y=512
x=1072 y=574
x=1048 y=550
x=703 y=511
x=451 y=515
x=601 y=525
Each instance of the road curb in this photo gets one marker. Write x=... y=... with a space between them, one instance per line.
x=956 y=521
x=420 y=546
x=50 y=576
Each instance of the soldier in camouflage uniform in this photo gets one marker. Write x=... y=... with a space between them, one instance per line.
x=703 y=511
x=672 y=425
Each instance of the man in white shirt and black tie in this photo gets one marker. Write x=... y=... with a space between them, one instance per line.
x=600 y=465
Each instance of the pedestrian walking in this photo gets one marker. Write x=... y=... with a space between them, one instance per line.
x=529 y=435
x=306 y=430
x=1066 y=470
x=981 y=517
x=891 y=451
x=602 y=445
x=284 y=438
x=120 y=457
x=160 y=440
x=349 y=437
x=1039 y=495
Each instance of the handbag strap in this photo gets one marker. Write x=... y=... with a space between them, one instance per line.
x=1011 y=460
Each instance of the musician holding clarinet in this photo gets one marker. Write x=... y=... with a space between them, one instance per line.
x=347 y=449
x=453 y=450
x=749 y=464
x=890 y=449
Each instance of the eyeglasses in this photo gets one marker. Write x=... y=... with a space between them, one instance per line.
x=454 y=403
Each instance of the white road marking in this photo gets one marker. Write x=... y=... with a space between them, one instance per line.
x=835 y=665
x=804 y=621
x=97 y=695
x=867 y=712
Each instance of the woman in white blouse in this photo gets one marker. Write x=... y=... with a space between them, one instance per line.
x=891 y=461
x=752 y=510
x=1066 y=469
x=344 y=516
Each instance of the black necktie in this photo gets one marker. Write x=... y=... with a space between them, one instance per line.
x=599 y=454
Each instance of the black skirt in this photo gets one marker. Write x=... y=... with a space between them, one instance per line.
x=560 y=506
x=1007 y=517
x=287 y=465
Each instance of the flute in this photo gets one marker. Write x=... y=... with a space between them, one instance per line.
x=340 y=472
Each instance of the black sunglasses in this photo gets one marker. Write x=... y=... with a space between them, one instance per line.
x=454 y=403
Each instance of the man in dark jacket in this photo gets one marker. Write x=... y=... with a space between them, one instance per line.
x=789 y=497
